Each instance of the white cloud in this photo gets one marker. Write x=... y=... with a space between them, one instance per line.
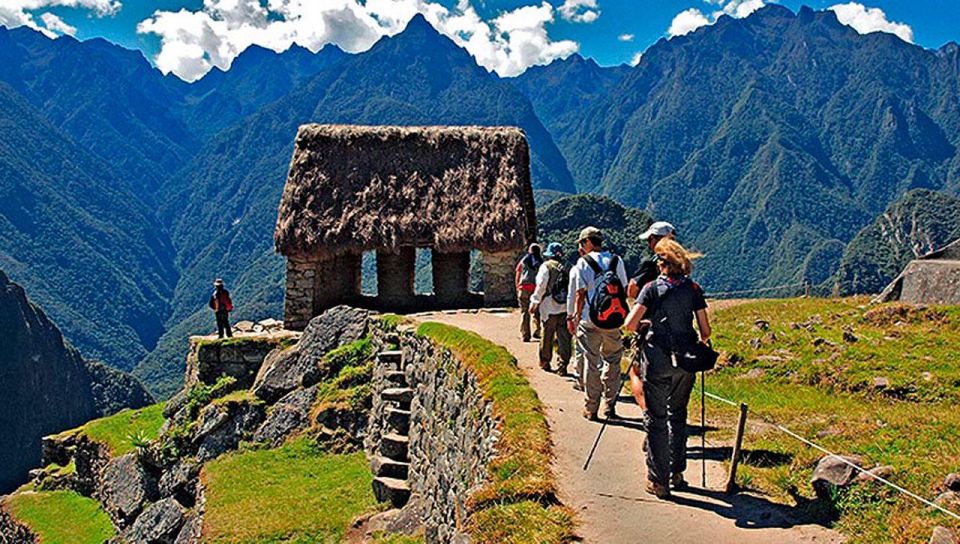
x=636 y=58
x=14 y=13
x=626 y=37
x=741 y=8
x=687 y=21
x=192 y=42
x=866 y=20
x=579 y=11
x=57 y=25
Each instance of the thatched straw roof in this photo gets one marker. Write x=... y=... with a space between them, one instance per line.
x=356 y=188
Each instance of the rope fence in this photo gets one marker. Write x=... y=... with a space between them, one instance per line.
x=861 y=470
x=726 y=294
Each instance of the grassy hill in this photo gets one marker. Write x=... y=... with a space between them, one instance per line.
x=875 y=381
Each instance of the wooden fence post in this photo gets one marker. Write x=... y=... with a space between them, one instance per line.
x=735 y=457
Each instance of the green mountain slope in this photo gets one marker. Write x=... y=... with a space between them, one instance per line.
x=45 y=386
x=86 y=247
x=919 y=222
x=771 y=138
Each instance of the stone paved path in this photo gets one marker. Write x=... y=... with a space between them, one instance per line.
x=609 y=497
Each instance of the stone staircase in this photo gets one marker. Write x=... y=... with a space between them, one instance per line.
x=391 y=467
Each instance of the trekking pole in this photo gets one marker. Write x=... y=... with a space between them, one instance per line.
x=604 y=426
x=703 y=429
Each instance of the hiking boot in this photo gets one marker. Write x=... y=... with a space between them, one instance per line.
x=545 y=367
x=677 y=482
x=577 y=386
x=658 y=489
x=536 y=336
x=525 y=338
x=562 y=371
x=611 y=413
x=588 y=415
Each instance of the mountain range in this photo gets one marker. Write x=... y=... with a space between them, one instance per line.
x=770 y=141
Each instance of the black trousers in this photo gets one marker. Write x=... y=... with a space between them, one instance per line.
x=223 y=325
x=666 y=389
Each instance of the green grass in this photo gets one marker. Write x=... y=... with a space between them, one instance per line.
x=61 y=517
x=826 y=388
x=521 y=490
x=295 y=493
x=122 y=431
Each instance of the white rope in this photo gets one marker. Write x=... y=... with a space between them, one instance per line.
x=861 y=470
x=757 y=290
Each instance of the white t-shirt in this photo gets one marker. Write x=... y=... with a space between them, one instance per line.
x=583 y=277
x=548 y=306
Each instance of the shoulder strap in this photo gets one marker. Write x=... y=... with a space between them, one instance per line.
x=614 y=263
x=593 y=264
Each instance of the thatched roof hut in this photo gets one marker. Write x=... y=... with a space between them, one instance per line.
x=354 y=188
x=931 y=279
x=387 y=189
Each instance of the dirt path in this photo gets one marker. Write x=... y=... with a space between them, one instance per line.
x=609 y=497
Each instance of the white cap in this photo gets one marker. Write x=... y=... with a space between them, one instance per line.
x=658 y=229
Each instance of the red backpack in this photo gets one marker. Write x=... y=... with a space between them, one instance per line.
x=608 y=307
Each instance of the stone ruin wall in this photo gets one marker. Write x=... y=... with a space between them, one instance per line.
x=453 y=433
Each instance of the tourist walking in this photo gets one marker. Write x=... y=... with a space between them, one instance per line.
x=222 y=305
x=526 y=282
x=578 y=358
x=670 y=303
x=600 y=309
x=647 y=272
x=549 y=302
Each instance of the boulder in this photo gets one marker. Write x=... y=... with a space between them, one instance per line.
x=942 y=535
x=282 y=372
x=223 y=426
x=244 y=326
x=832 y=472
x=286 y=369
x=180 y=482
x=948 y=499
x=126 y=488
x=880 y=383
x=159 y=523
x=270 y=324
x=952 y=481
x=289 y=415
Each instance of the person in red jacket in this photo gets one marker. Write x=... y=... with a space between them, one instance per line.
x=222 y=305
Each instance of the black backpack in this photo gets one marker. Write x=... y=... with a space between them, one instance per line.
x=608 y=308
x=692 y=357
x=561 y=281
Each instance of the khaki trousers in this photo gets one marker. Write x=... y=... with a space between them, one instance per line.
x=602 y=352
x=555 y=327
x=523 y=298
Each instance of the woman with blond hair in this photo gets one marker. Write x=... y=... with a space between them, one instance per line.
x=669 y=305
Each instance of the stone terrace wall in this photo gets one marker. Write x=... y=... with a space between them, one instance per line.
x=452 y=434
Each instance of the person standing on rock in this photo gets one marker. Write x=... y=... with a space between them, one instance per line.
x=222 y=305
x=526 y=282
x=549 y=302
x=600 y=310
x=670 y=305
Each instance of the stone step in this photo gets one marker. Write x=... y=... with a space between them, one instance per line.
x=398 y=420
x=389 y=468
x=401 y=395
x=394 y=358
x=396 y=377
x=391 y=489
x=395 y=446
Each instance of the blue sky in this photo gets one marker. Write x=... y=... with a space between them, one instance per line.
x=521 y=32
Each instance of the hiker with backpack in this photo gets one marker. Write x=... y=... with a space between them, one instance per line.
x=672 y=354
x=549 y=301
x=600 y=310
x=526 y=281
x=222 y=305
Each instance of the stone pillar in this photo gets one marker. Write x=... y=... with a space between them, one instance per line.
x=298 y=300
x=451 y=279
x=395 y=279
x=337 y=282
x=499 y=288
